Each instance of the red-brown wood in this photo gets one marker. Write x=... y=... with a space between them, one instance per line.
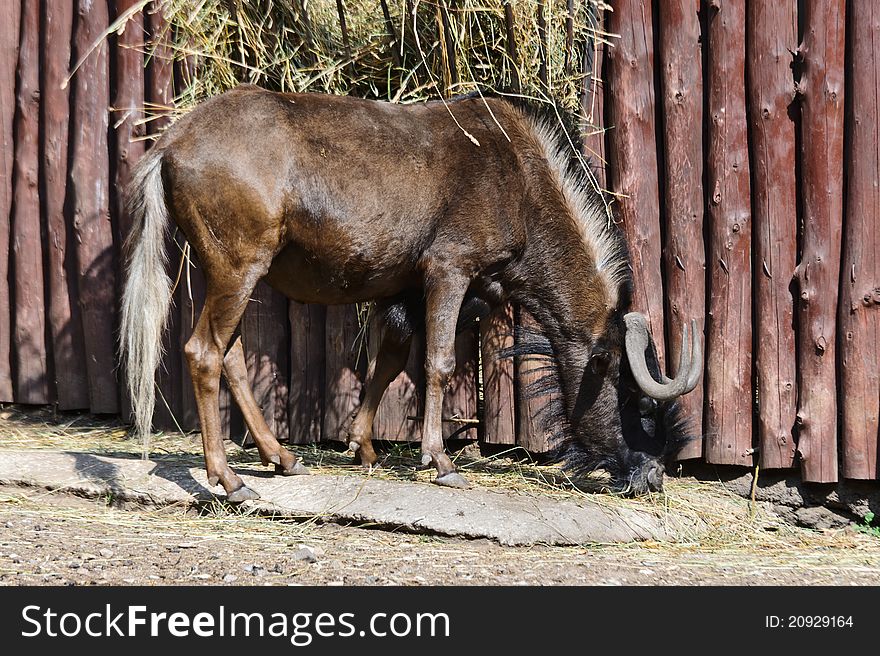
x=499 y=401
x=30 y=375
x=266 y=341
x=632 y=151
x=684 y=256
x=403 y=398
x=126 y=127
x=345 y=367
x=306 y=397
x=89 y=192
x=818 y=272
x=460 y=400
x=728 y=371
x=860 y=274
x=9 y=37
x=771 y=38
x=159 y=99
x=593 y=102
x=127 y=105
x=65 y=319
x=530 y=432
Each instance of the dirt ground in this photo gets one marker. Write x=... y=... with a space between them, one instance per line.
x=55 y=539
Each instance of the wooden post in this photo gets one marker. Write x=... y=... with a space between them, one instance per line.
x=860 y=275
x=632 y=156
x=771 y=37
x=460 y=399
x=593 y=102
x=159 y=97
x=306 y=397
x=266 y=339
x=9 y=33
x=128 y=106
x=510 y=45
x=127 y=146
x=403 y=398
x=818 y=273
x=65 y=319
x=530 y=433
x=89 y=191
x=684 y=257
x=345 y=369
x=499 y=400
x=29 y=343
x=729 y=337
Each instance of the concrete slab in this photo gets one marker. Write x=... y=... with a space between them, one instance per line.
x=508 y=517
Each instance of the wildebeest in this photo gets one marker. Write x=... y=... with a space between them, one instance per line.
x=421 y=208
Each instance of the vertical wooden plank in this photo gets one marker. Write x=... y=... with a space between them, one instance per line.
x=684 y=256
x=771 y=37
x=266 y=341
x=460 y=399
x=499 y=407
x=127 y=106
x=729 y=335
x=89 y=191
x=159 y=98
x=345 y=362
x=818 y=273
x=29 y=321
x=860 y=275
x=9 y=37
x=593 y=100
x=65 y=319
x=306 y=397
x=403 y=398
x=530 y=433
x=632 y=156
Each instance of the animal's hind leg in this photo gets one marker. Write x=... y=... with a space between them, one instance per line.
x=384 y=367
x=204 y=352
x=235 y=368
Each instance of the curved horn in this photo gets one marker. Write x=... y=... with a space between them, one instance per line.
x=696 y=360
x=637 y=340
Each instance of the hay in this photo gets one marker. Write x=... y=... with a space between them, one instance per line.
x=730 y=525
x=419 y=49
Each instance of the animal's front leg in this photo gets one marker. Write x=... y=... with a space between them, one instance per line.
x=445 y=292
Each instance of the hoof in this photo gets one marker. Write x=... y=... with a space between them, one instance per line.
x=298 y=469
x=244 y=493
x=453 y=479
x=426 y=459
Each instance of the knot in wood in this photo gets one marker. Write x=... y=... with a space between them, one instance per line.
x=765 y=113
x=735 y=227
x=821 y=344
x=866 y=299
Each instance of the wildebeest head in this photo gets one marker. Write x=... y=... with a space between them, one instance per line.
x=621 y=414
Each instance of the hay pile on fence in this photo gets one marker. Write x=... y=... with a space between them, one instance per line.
x=395 y=50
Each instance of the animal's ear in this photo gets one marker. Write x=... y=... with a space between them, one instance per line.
x=599 y=362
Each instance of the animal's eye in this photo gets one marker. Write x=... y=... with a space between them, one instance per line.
x=647 y=405
x=599 y=363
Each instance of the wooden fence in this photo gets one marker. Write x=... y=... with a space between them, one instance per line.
x=741 y=139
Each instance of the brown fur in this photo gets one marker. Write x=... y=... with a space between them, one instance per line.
x=339 y=200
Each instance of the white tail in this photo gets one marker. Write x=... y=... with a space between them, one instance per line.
x=147 y=293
